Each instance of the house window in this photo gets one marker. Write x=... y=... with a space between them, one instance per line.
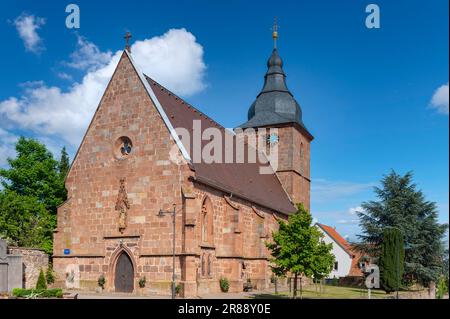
x=336 y=265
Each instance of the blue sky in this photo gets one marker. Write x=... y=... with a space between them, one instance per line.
x=366 y=94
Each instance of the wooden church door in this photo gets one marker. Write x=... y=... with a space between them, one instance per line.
x=124 y=279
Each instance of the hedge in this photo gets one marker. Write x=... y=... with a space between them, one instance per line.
x=40 y=293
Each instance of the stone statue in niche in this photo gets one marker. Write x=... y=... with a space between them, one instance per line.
x=122 y=205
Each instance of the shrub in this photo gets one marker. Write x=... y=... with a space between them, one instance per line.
x=335 y=281
x=142 y=282
x=37 y=293
x=50 y=275
x=224 y=284
x=442 y=288
x=101 y=281
x=41 y=282
x=177 y=289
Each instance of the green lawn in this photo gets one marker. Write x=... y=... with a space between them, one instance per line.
x=329 y=292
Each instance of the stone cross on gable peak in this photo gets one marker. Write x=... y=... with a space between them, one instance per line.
x=127 y=38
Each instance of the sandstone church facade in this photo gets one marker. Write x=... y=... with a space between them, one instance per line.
x=122 y=177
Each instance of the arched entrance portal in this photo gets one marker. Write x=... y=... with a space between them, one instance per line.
x=124 y=274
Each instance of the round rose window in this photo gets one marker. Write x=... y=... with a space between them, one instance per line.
x=123 y=147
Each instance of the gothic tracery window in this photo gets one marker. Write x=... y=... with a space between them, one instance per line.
x=126 y=147
x=209 y=265
x=203 y=265
x=207 y=221
x=123 y=147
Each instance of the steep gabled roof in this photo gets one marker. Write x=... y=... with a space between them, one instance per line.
x=354 y=254
x=240 y=179
x=333 y=234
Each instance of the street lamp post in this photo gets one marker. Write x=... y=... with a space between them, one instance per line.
x=173 y=213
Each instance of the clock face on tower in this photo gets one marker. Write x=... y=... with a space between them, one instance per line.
x=273 y=139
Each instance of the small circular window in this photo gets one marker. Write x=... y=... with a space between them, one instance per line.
x=123 y=147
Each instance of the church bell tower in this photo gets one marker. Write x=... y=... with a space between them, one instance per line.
x=275 y=107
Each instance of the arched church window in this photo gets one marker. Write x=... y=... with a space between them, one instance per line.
x=204 y=222
x=209 y=265
x=207 y=221
x=203 y=265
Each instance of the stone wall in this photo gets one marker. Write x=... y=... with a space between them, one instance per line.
x=33 y=261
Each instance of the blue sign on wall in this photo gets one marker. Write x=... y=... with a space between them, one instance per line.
x=66 y=251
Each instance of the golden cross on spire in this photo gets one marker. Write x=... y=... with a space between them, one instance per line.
x=275 y=33
x=127 y=38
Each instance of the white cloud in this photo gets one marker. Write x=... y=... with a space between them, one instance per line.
x=324 y=190
x=174 y=59
x=88 y=56
x=64 y=76
x=354 y=210
x=27 y=26
x=7 y=142
x=348 y=221
x=439 y=101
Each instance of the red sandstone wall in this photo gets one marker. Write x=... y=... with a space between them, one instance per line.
x=88 y=221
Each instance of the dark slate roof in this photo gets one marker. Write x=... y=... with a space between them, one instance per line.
x=275 y=104
x=241 y=179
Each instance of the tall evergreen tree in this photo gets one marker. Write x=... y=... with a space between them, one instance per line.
x=401 y=205
x=392 y=259
x=297 y=248
x=64 y=163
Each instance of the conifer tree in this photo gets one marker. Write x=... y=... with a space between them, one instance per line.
x=399 y=204
x=41 y=282
x=392 y=260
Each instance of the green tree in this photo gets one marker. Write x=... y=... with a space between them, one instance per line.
x=392 y=260
x=24 y=221
x=34 y=172
x=297 y=248
x=33 y=188
x=401 y=205
x=64 y=163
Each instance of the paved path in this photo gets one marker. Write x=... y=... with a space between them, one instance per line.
x=105 y=295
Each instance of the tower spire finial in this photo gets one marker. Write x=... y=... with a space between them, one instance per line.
x=127 y=38
x=275 y=33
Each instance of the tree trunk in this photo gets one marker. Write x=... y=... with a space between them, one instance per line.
x=301 y=287
x=294 y=294
x=276 y=285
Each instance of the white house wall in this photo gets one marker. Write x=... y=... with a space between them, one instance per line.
x=341 y=256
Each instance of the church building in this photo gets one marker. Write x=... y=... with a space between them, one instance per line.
x=125 y=190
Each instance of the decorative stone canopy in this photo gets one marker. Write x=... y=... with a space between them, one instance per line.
x=275 y=104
